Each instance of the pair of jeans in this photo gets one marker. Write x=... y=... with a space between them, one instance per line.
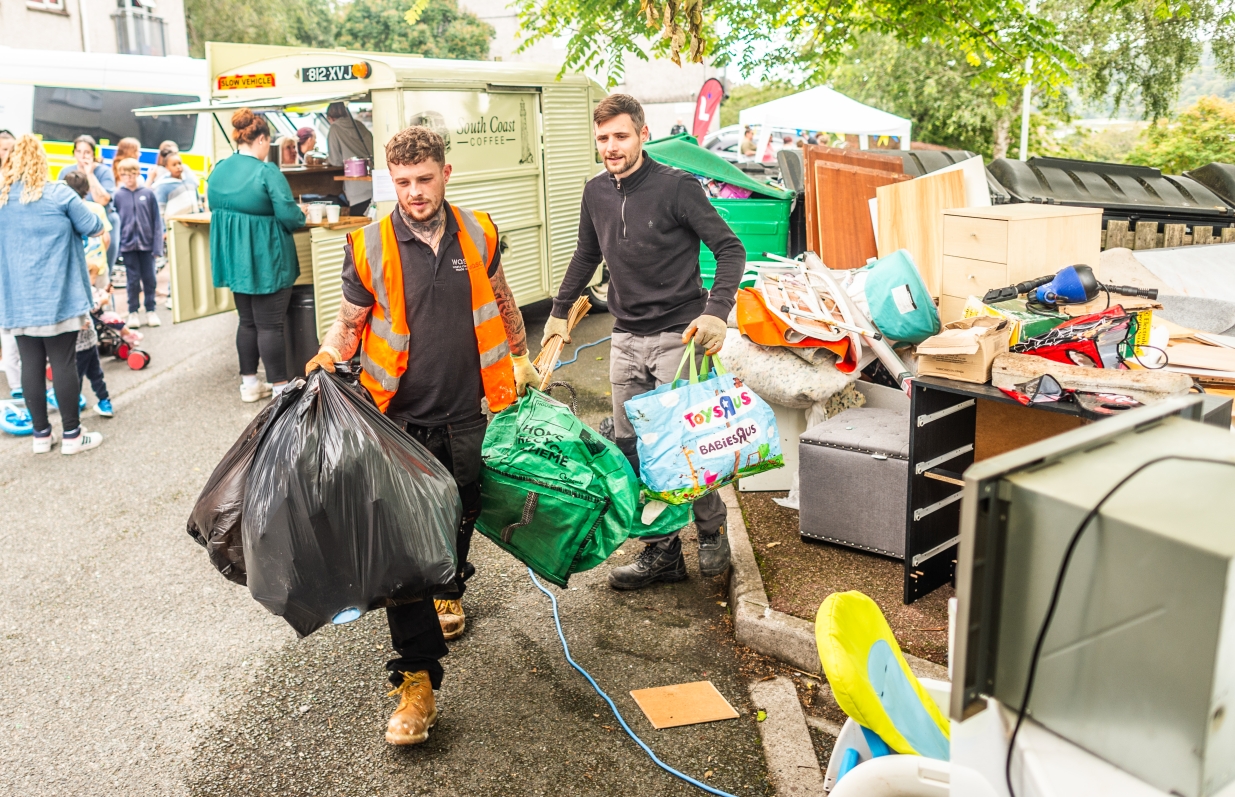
x=61 y=351
x=90 y=367
x=637 y=365
x=139 y=270
x=415 y=632
x=260 y=334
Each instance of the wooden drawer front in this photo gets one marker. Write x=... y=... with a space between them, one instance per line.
x=974 y=238
x=965 y=277
x=951 y=308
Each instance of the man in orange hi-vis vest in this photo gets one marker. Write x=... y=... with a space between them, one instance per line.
x=426 y=305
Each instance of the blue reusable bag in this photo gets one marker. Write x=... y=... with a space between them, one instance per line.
x=696 y=436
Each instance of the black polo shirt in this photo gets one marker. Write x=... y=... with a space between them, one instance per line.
x=442 y=382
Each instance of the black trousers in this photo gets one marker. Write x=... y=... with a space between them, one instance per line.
x=61 y=352
x=415 y=633
x=90 y=367
x=260 y=334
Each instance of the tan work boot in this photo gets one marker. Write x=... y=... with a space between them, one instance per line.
x=417 y=711
x=450 y=615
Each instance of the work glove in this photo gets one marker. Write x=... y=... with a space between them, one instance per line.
x=555 y=326
x=525 y=373
x=326 y=358
x=708 y=332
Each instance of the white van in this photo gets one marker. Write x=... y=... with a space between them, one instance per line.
x=60 y=95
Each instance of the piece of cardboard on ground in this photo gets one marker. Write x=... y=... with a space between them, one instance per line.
x=683 y=704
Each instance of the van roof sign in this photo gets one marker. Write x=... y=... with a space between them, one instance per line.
x=326 y=74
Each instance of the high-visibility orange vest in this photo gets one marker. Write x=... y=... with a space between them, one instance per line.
x=384 y=344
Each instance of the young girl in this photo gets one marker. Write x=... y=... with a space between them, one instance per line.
x=88 y=363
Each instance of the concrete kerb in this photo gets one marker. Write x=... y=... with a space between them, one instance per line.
x=763 y=629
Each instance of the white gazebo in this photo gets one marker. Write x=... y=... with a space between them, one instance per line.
x=822 y=109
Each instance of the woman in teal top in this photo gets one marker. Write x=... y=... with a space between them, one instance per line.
x=252 y=215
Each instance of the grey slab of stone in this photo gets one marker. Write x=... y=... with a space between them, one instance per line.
x=787 y=747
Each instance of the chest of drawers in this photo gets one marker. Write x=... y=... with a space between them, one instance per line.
x=985 y=248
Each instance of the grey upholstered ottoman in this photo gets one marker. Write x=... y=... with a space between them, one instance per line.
x=853 y=475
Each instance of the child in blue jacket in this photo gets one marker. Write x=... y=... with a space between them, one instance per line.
x=141 y=239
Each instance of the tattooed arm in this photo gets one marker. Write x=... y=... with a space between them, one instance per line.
x=512 y=319
x=344 y=335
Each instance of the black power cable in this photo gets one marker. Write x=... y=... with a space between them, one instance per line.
x=1054 y=604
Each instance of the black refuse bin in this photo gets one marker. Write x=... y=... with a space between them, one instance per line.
x=300 y=329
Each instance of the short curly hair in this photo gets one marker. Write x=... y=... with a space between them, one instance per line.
x=413 y=145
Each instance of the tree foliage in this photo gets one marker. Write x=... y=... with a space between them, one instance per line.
x=1200 y=134
x=946 y=98
x=1140 y=51
x=434 y=29
x=768 y=37
x=301 y=23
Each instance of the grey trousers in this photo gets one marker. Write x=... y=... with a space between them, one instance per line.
x=637 y=364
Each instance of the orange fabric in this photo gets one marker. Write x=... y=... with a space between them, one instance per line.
x=764 y=327
x=384 y=343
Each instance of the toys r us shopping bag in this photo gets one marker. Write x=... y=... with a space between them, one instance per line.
x=697 y=436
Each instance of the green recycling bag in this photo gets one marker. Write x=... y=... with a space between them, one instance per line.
x=554 y=493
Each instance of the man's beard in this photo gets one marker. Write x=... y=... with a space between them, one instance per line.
x=421 y=216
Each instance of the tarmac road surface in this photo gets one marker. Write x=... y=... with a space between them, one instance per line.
x=129 y=666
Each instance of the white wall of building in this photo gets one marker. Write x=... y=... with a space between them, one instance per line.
x=80 y=25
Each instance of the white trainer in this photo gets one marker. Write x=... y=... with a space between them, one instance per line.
x=83 y=442
x=42 y=445
x=134 y=321
x=152 y=319
x=255 y=393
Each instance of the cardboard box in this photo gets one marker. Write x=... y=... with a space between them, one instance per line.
x=965 y=349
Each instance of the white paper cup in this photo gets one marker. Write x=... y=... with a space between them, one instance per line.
x=315 y=213
x=332 y=213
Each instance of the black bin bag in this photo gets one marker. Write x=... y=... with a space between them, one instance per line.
x=343 y=512
x=215 y=521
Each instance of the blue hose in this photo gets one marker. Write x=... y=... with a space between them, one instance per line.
x=557 y=620
x=581 y=348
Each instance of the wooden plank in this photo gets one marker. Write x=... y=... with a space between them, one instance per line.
x=1146 y=235
x=1116 y=234
x=813 y=153
x=1173 y=234
x=1202 y=235
x=853 y=157
x=844 y=236
x=1228 y=235
x=911 y=217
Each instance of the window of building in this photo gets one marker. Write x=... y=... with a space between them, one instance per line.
x=62 y=114
x=47 y=5
x=138 y=32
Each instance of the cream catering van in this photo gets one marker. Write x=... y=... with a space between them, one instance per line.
x=518 y=136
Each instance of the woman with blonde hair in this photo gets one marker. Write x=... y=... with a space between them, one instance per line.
x=45 y=296
x=289 y=153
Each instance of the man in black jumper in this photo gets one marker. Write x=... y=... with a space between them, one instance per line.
x=645 y=220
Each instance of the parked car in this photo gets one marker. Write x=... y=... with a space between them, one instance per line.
x=726 y=141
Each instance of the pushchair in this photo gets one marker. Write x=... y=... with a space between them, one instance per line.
x=117 y=340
